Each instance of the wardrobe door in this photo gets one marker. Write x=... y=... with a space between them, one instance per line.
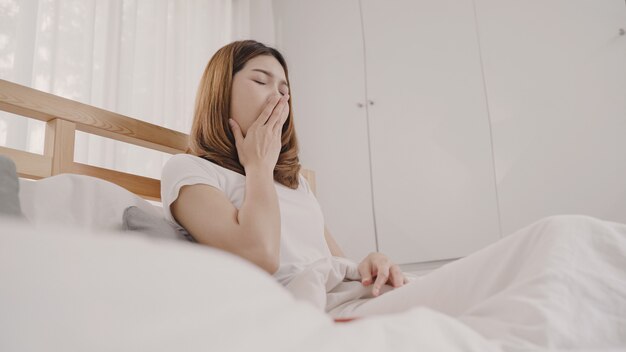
x=323 y=45
x=556 y=82
x=432 y=163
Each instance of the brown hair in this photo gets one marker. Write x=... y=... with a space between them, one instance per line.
x=211 y=137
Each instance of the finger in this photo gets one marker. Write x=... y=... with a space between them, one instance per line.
x=267 y=111
x=381 y=278
x=279 y=125
x=397 y=277
x=278 y=112
x=365 y=269
x=234 y=126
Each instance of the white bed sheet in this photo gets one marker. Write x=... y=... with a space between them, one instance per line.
x=65 y=291
x=558 y=283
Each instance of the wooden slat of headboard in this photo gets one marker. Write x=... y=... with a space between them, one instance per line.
x=30 y=165
x=145 y=187
x=43 y=106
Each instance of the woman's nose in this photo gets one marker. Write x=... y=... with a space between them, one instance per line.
x=276 y=95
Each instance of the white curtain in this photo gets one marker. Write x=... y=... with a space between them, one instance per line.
x=140 y=58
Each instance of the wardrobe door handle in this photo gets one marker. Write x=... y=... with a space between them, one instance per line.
x=622 y=31
x=359 y=105
x=371 y=102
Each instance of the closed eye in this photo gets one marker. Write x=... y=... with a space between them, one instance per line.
x=261 y=83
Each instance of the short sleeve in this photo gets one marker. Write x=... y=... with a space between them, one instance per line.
x=181 y=170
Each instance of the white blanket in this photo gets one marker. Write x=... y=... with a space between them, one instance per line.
x=557 y=284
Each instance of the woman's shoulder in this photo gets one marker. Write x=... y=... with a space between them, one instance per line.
x=184 y=157
x=187 y=169
x=183 y=161
x=181 y=165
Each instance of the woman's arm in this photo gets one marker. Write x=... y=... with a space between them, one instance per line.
x=253 y=231
x=335 y=250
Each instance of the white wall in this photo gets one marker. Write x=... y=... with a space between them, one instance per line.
x=554 y=79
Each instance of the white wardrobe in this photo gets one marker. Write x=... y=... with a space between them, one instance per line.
x=438 y=126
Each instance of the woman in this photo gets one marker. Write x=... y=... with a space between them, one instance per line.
x=239 y=187
x=560 y=281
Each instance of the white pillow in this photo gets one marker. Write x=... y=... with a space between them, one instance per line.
x=79 y=201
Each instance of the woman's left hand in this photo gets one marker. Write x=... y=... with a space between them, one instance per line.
x=379 y=266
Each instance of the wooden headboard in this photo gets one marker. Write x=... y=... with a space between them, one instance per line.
x=63 y=117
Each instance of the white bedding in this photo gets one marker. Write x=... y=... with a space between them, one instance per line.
x=65 y=291
x=79 y=201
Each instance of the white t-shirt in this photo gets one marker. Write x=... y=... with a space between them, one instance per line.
x=302 y=239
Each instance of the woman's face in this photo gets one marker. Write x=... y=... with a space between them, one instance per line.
x=260 y=78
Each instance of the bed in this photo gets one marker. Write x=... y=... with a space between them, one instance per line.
x=77 y=277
